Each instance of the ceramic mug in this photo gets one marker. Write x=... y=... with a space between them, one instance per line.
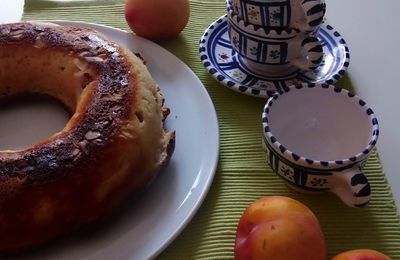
x=304 y=15
x=272 y=52
x=318 y=138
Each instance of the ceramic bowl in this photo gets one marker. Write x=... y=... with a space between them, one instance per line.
x=305 y=16
x=273 y=52
x=318 y=137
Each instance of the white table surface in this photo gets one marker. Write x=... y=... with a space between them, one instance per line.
x=11 y=11
x=370 y=29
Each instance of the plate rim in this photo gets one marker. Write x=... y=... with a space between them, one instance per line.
x=261 y=93
x=214 y=119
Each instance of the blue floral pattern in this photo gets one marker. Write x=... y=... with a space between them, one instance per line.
x=275 y=54
x=319 y=182
x=286 y=171
x=275 y=17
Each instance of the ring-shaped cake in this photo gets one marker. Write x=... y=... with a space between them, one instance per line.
x=113 y=145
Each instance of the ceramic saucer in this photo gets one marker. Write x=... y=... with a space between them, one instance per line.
x=223 y=63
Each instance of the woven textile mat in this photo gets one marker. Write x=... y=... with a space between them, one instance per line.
x=242 y=175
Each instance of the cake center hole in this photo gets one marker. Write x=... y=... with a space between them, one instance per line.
x=28 y=119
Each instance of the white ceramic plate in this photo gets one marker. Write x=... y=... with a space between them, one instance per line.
x=11 y=11
x=147 y=226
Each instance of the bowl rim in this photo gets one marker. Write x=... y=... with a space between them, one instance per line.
x=270 y=140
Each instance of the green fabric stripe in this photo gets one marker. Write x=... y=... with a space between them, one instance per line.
x=242 y=174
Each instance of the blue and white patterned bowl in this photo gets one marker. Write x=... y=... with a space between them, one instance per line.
x=318 y=137
x=305 y=16
x=226 y=66
x=272 y=52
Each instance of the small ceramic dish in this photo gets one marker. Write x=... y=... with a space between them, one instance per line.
x=305 y=16
x=318 y=137
x=225 y=65
x=271 y=52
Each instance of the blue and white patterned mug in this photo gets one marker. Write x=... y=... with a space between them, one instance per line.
x=272 y=52
x=318 y=138
x=304 y=15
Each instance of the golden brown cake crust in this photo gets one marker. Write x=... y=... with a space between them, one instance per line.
x=113 y=145
x=113 y=80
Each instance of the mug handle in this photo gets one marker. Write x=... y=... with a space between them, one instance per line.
x=314 y=11
x=352 y=187
x=314 y=54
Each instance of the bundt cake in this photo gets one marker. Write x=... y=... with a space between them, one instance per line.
x=113 y=145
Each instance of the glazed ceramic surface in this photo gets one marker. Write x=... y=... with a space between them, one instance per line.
x=305 y=16
x=272 y=52
x=227 y=67
x=318 y=137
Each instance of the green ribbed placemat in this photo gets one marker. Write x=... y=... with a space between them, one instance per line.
x=242 y=174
